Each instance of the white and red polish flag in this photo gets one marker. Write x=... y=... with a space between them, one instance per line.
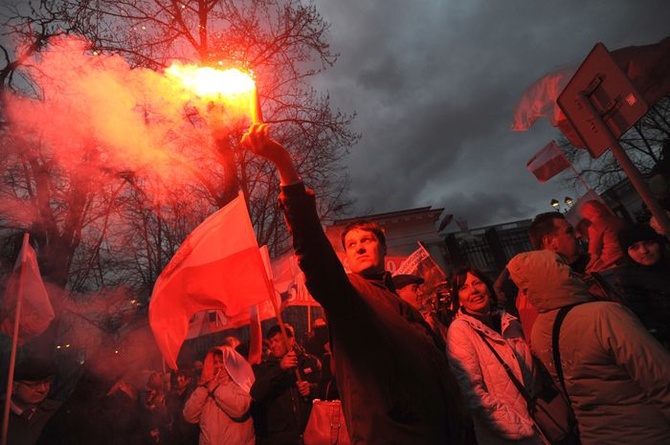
x=218 y=266
x=548 y=162
x=25 y=293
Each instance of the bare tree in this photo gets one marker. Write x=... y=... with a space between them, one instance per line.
x=282 y=42
x=54 y=202
x=642 y=144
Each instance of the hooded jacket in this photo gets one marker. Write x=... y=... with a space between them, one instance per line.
x=223 y=414
x=616 y=374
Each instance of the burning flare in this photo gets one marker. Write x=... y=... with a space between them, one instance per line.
x=229 y=85
x=210 y=83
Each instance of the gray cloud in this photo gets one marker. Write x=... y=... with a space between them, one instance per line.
x=435 y=84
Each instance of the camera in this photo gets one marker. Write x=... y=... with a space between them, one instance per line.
x=441 y=304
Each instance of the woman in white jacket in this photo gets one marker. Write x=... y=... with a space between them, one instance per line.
x=499 y=410
x=221 y=402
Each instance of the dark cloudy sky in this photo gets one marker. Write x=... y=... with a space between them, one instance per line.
x=435 y=84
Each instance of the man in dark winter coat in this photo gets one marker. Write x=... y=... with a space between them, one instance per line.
x=548 y=231
x=282 y=403
x=392 y=371
x=30 y=409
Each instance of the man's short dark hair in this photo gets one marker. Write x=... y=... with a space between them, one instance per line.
x=274 y=330
x=367 y=226
x=543 y=225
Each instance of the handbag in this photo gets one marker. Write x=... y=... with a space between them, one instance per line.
x=552 y=412
x=554 y=420
x=326 y=425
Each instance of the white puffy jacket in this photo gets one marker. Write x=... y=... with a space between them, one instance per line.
x=499 y=410
x=219 y=415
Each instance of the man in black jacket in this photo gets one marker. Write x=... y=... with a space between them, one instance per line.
x=392 y=372
x=30 y=409
x=282 y=403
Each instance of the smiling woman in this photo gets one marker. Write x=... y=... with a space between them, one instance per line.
x=474 y=295
x=478 y=339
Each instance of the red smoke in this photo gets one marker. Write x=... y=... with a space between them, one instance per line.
x=130 y=119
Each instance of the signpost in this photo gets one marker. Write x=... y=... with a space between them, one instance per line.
x=601 y=103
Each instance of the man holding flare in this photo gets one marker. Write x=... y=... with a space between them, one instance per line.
x=392 y=371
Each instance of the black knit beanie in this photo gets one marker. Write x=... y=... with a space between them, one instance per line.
x=639 y=232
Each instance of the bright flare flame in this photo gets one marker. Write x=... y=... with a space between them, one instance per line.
x=208 y=82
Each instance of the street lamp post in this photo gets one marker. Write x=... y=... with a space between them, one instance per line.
x=556 y=204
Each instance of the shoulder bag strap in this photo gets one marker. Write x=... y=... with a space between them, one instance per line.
x=522 y=389
x=556 y=332
x=524 y=392
x=335 y=422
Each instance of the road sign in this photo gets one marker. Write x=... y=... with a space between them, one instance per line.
x=600 y=94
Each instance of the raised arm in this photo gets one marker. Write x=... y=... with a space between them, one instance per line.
x=258 y=141
x=325 y=277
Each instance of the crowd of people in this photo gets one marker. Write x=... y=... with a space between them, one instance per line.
x=593 y=320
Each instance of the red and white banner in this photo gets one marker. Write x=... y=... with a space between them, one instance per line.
x=25 y=287
x=218 y=266
x=289 y=281
x=422 y=264
x=548 y=162
x=411 y=263
x=290 y=290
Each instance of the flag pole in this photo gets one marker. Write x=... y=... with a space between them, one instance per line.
x=589 y=190
x=255 y=337
x=15 y=341
x=256 y=110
